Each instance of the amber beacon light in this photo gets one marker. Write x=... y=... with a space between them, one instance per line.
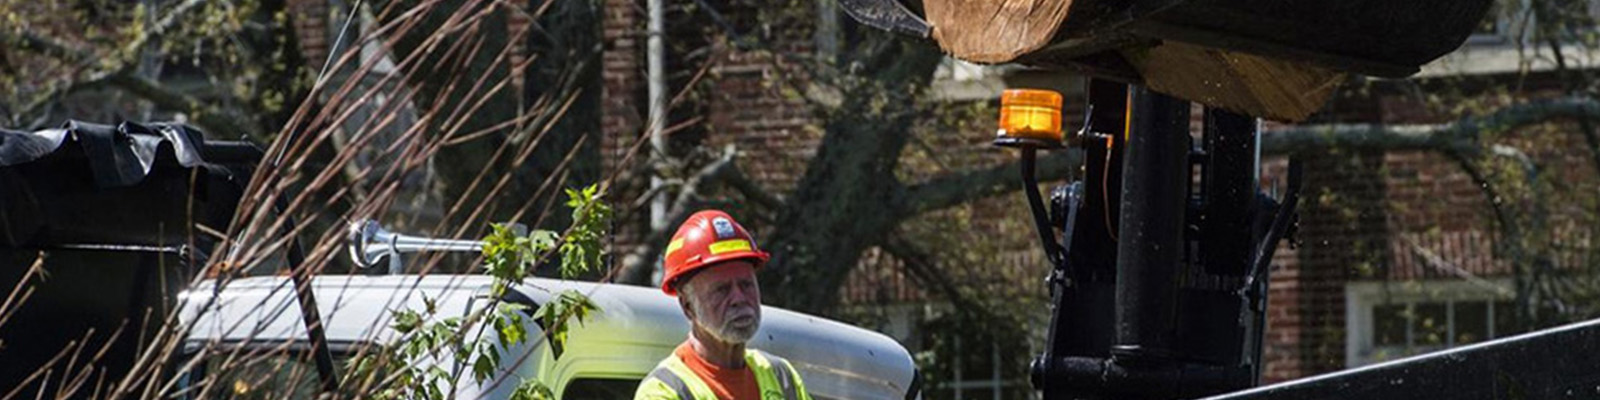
x=1030 y=118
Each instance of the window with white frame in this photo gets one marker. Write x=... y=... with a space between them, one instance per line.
x=972 y=365
x=1386 y=321
x=980 y=375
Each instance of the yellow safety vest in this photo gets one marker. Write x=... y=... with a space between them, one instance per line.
x=672 y=379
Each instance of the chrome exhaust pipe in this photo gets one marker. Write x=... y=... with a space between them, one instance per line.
x=369 y=244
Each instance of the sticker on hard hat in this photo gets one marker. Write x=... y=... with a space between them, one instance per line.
x=724 y=228
x=730 y=245
x=674 y=246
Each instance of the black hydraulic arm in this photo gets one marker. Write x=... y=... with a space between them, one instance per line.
x=1041 y=218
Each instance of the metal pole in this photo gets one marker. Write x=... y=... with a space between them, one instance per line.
x=656 y=66
x=1154 y=195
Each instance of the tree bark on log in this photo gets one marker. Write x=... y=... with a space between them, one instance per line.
x=995 y=31
x=1277 y=60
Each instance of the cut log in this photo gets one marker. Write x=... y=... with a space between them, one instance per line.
x=1277 y=59
x=994 y=31
x=1375 y=37
x=1239 y=82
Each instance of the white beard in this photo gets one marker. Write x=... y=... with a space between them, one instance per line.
x=728 y=332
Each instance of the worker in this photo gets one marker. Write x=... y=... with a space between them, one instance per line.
x=711 y=266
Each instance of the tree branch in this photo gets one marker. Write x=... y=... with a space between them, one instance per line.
x=951 y=190
x=1305 y=139
x=118 y=72
x=44 y=45
x=1464 y=135
x=736 y=179
x=639 y=263
x=205 y=115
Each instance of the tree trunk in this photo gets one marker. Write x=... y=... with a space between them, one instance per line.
x=844 y=202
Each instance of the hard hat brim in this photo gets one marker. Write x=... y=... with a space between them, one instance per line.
x=669 y=285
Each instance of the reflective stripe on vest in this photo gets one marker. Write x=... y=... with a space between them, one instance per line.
x=671 y=379
x=781 y=370
x=769 y=371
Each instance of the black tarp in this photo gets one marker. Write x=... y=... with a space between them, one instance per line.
x=126 y=184
x=113 y=208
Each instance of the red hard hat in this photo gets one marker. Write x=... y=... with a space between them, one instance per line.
x=707 y=237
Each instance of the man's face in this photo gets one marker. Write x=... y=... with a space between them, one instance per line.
x=725 y=301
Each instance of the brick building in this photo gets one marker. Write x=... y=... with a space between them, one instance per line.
x=1397 y=250
x=1401 y=252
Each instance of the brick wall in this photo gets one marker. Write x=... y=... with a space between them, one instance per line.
x=1407 y=216
x=752 y=105
x=623 y=61
x=310 y=19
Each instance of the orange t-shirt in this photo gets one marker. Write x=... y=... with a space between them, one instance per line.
x=727 y=383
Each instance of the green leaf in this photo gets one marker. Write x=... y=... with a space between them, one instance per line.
x=567 y=307
x=508 y=322
x=483 y=368
x=532 y=389
x=406 y=321
x=583 y=249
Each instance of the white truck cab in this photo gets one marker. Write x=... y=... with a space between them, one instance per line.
x=603 y=358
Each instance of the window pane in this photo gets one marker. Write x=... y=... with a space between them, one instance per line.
x=1389 y=325
x=1472 y=322
x=1431 y=325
